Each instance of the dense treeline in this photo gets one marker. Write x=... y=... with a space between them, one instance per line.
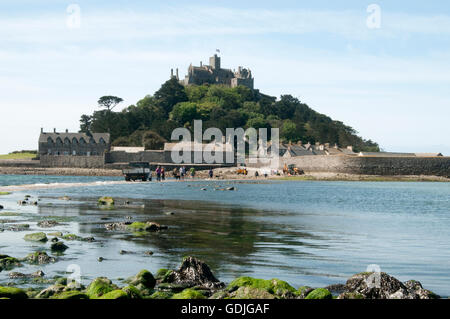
x=151 y=121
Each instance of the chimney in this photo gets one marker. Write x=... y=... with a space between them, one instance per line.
x=67 y=131
x=54 y=130
x=42 y=130
x=201 y=64
x=171 y=73
x=177 y=75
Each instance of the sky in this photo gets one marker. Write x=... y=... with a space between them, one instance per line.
x=381 y=67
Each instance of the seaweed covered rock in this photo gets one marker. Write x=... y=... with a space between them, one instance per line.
x=189 y=294
x=276 y=287
x=51 y=291
x=73 y=294
x=99 y=287
x=251 y=293
x=147 y=226
x=115 y=294
x=144 y=280
x=7 y=262
x=161 y=295
x=38 y=237
x=48 y=223
x=39 y=258
x=421 y=293
x=106 y=201
x=58 y=246
x=194 y=272
x=12 y=293
x=319 y=293
x=132 y=292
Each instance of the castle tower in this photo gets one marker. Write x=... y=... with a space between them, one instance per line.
x=214 y=62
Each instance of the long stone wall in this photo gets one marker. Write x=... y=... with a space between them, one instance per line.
x=72 y=161
x=437 y=166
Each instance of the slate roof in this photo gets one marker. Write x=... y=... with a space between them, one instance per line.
x=97 y=136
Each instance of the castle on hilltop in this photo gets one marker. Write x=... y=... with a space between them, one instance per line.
x=214 y=74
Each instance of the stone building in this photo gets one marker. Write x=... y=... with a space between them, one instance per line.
x=73 y=144
x=214 y=74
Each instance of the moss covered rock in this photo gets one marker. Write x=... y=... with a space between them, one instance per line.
x=4 y=193
x=189 y=294
x=143 y=280
x=12 y=293
x=99 y=287
x=7 y=262
x=350 y=295
x=132 y=292
x=38 y=237
x=115 y=294
x=70 y=295
x=39 y=258
x=59 y=246
x=106 y=201
x=161 y=295
x=319 y=293
x=147 y=227
x=273 y=286
x=161 y=274
x=252 y=293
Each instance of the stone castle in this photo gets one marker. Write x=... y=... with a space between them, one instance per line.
x=214 y=74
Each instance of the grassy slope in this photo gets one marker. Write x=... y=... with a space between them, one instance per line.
x=18 y=156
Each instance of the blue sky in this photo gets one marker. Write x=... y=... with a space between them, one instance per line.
x=390 y=83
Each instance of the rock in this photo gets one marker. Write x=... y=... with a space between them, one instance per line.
x=194 y=272
x=67 y=198
x=56 y=234
x=1 y=207
x=100 y=259
x=99 y=287
x=117 y=226
x=416 y=287
x=143 y=280
x=115 y=294
x=275 y=287
x=48 y=223
x=161 y=295
x=12 y=293
x=319 y=293
x=54 y=240
x=230 y=188
x=18 y=275
x=58 y=246
x=39 y=237
x=189 y=294
x=19 y=227
x=350 y=295
x=251 y=293
x=7 y=262
x=132 y=292
x=303 y=291
x=73 y=294
x=388 y=287
x=148 y=253
x=148 y=226
x=50 y=291
x=106 y=201
x=39 y=258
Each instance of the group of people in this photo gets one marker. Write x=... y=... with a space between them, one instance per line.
x=179 y=173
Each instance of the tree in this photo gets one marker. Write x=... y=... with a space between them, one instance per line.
x=289 y=131
x=109 y=102
x=184 y=112
x=85 y=123
x=170 y=94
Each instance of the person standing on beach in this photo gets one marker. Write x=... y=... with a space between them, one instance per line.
x=182 y=172
x=158 y=174
x=211 y=173
x=163 y=173
x=192 y=170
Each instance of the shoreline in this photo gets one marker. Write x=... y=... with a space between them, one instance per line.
x=228 y=174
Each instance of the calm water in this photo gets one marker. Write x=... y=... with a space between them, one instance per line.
x=307 y=233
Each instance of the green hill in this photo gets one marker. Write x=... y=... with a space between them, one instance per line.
x=151 y=121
